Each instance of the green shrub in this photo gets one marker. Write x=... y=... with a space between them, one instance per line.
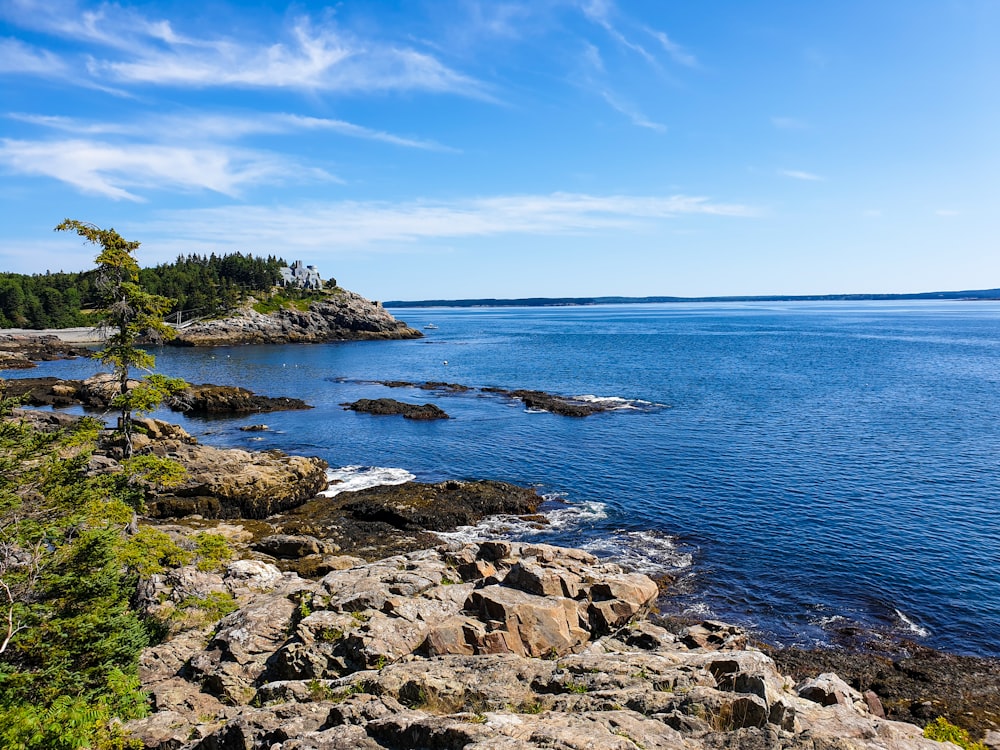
x=211 y=550
x=943 y=730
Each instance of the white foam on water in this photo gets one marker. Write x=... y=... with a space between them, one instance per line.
x=911 y=625
x=700 y=610
x=649 y=552
x=353 y=478
x=614 y=403
x=566 y=516
x=569 y=515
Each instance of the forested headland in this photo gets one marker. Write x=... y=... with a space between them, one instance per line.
x=200 y=285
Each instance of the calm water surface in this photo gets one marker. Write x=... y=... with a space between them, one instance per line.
x=800 y=467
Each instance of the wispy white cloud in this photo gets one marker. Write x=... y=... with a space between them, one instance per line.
x=599 y=12
x=677 y=53
x=117 y=171
x=18 y=57
x=134 y=49
x=221 y=127
x=797 y=174
x=592 y=58
x=638 y=118
x=789 y=123
x=322 y=59
x=350 y=225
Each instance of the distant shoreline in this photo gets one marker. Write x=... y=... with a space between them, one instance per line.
x=968 y=296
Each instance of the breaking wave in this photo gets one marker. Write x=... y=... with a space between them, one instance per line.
x=649 y=552
x=615 y=403
x=354 y=478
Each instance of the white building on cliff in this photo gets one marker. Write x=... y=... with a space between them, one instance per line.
x=300 y=275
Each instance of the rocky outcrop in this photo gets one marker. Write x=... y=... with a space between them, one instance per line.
x=96 y=392
x=342 y=316
x=391 y=519
x=217 y=483
x=21 y=352
x=392 y=407
x=228 y=399
x=566 y=406
x=495 y=645
x=914 y=684
x=233 y=483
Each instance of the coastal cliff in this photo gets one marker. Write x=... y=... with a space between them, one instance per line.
x=340 y=316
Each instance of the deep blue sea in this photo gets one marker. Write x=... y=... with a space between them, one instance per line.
x=801 y=467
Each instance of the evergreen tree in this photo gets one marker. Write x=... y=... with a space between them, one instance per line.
x=127 y=313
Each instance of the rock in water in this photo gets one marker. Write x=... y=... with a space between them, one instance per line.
x=228 y=399
x=392 y=407
x=342 y=316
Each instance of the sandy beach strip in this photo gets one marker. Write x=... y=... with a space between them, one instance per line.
x=69 y=335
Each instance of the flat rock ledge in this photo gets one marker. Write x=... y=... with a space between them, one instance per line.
x=344 y=316
x=394 y=519
x=566 y=406
x=473 y=647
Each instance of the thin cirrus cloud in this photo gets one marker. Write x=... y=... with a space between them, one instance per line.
x=798 y=174
x=208 y=127
x=349 y=225
x=677 y=53
x=118 y=172
x=638 y=118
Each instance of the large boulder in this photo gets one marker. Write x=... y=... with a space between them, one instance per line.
x=233 y=483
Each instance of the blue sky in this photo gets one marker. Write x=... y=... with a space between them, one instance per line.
x=469 y=148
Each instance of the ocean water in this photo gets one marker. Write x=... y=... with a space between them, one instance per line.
x=800 y=468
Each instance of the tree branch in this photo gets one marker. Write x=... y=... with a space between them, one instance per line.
x=12 y=629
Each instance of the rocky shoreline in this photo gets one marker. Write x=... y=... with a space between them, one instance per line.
x=472 y=646
x=341 y=316
x=352 y=625
x=22 y=351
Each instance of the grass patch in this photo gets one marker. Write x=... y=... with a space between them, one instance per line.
x=215 y=605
